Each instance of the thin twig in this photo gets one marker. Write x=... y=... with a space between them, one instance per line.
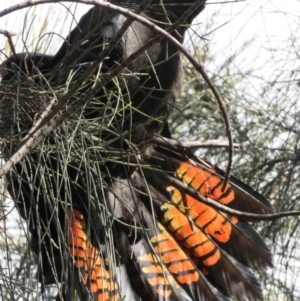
x=10 y=42
x=218 y=206
x=163 y=141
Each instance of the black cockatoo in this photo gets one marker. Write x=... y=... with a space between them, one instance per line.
x=137 y=228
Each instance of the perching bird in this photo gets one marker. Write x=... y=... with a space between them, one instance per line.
x=141 y=233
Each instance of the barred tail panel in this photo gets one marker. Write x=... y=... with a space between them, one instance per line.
x=94 y=269
x=168 y=270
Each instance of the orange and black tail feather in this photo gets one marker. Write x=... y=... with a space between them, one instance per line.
x=208 y=180
x=159 y=267
x=222 y=247
x=166 y=269
x=222 y=269
x=94 y=274
x=229 y=232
